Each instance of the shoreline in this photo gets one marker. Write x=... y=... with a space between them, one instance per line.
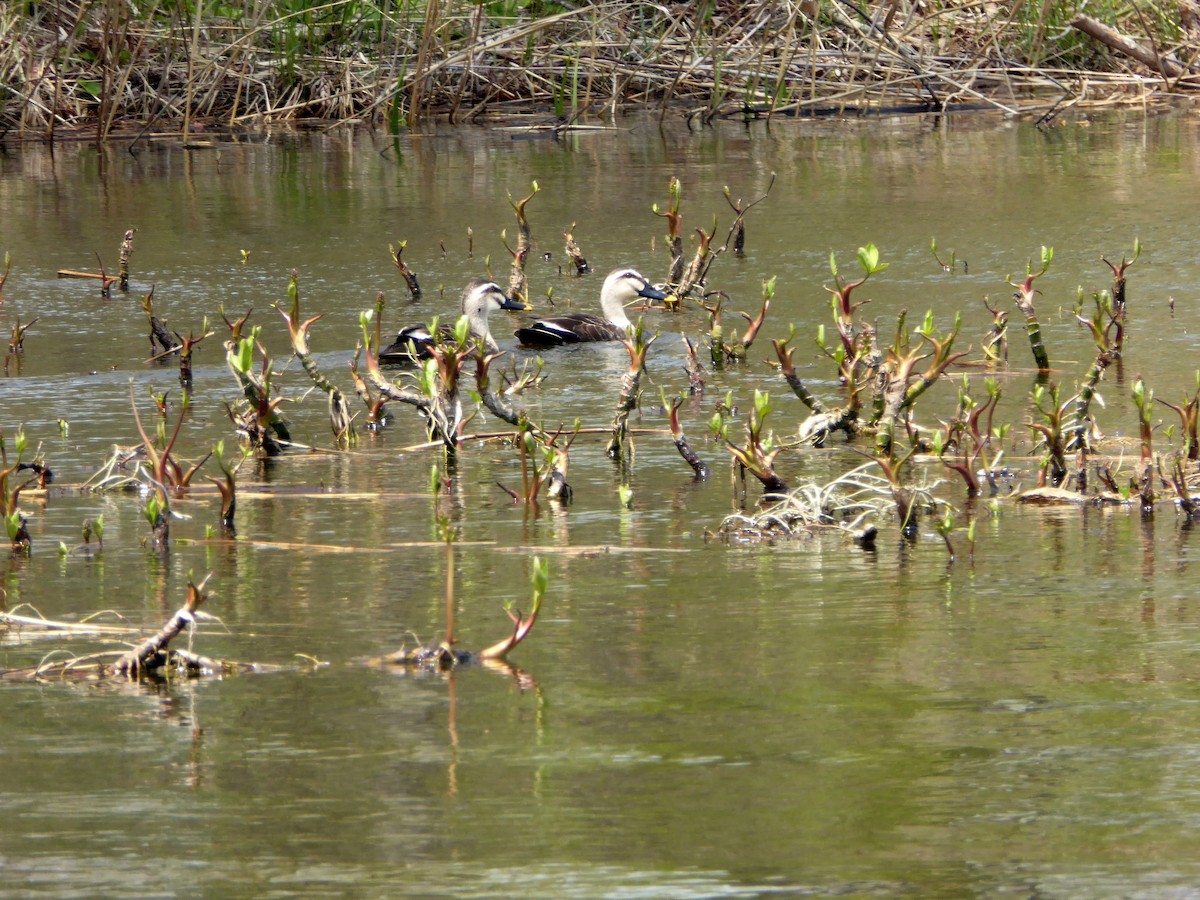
x=110 y=73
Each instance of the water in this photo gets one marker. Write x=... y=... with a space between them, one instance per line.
x=691 y=717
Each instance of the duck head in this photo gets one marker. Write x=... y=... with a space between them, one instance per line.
x=622 y=287
x=481 y=297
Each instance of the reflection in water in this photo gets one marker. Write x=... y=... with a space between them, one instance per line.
x=708 y=719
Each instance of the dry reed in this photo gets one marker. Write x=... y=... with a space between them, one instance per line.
x=81 y=69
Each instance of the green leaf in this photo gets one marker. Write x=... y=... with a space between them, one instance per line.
x=243 y=360
x=868 y=258
x=926 y=328
x=428 y=377
x=762 y=404
x=462 y=330
x=540 y=576
x=152 y=510
x=946 y=525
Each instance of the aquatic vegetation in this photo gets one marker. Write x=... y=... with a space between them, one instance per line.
x=907 y=503
x=1143 y=479
x=995 y=342
x=339 y=412
x=737 y=231
x=518 y=284
x=674 y=237
x=881 y=385
x=637 y=345
x=1024 y=298
x=969 y=435
x=4 y=275
x=1101 y=325
x=1176 y=479
x=574 y=254
x=442 y=655
x=227 y=487
x=1050 y=426
x=693 y=275
x=1189 y=420
x=10 y=493
x=123 y=259
x=757 y=455
x=900 y=386
x=163 y=341
x=189 y=344
x=735 y=349
x=436 y=381
x=256 y=415
x=883 y=373
x=409 y=276
x=695 y=371
x=681 y=443
x=16 y=344
x=947 y=265
x=165 y=472
x=106 y=280
x=855 y=353
x=1118 y=292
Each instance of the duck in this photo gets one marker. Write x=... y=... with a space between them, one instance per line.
x=479 y=298
x=622 y=286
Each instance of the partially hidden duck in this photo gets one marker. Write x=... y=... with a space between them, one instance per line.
x=479 y=298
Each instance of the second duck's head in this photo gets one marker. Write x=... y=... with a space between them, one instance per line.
x=621 y=287
x=482 y=297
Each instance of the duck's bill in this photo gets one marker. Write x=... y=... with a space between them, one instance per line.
x=650 y=292
x=509 y=303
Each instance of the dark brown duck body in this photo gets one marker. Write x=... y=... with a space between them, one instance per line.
x=620 y=287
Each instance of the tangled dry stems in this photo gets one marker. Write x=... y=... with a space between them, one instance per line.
x=102 y=67
x=847 y=503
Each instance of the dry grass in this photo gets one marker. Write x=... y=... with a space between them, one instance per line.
x=79 y=66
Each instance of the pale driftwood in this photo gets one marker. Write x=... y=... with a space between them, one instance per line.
x=71 y=273
x=150 y=654
x=1052 y=496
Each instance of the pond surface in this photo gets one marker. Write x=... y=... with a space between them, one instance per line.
x=692 y=717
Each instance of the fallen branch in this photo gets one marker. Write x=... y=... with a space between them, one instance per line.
x=1166 y=66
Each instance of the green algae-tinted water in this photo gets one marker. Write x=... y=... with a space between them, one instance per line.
x=691 y=718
